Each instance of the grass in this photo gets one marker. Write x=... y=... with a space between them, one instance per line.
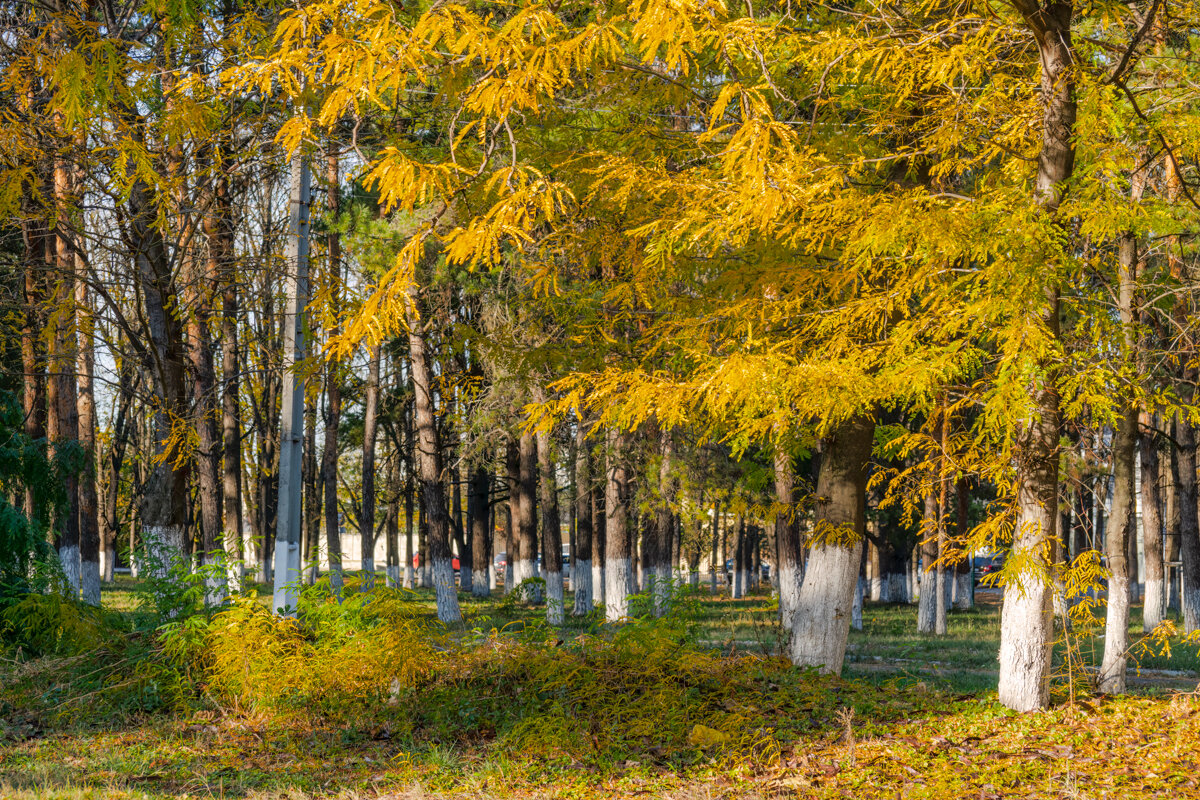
x=529 y=712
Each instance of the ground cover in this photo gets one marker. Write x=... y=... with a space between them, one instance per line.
x=375 y=700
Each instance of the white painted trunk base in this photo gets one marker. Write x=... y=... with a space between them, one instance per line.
x=824 y=608
x=89 y=582
x=410 y=575
x=554 y=598
x=447 y=598
x=483 y=585
x=1116 y=637
x=393 y=576
x=616 y=589
x=1191 y=609
x=69 y=558
x=598 y=587
x=962 y=591
x=164 y=548
x=368 y=572
x=583 y=587
x=927 y=602
x=856 y=616
x=895 y=587
x=790 y=581
x=1026 y=638
x=877 y=589
x=1154 y=610
x=523 y=570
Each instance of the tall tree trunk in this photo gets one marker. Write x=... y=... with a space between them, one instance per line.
x=1183 y=468
x=220 y=245
x=37 y=243
x=599 y=541
x=479 y=503
x=512 y=476
x=551 y=528
x=63 y=421
x=89 y=519
x=525 y=566
x=333 y=382
x=459 y=530
x=927 y=601
x=1122 y=520
x=664 y=525
x=1027 y=623
x=310 y=549
x=410 y=566
x=964 y=593
x=370 y=429
x=429 y=475
x=208 y=452
x=822 y=622
x=789 y=553
x=164 y=497
x=1154 y=608
x=582 y=553
x=617 y=566
x=123 y=428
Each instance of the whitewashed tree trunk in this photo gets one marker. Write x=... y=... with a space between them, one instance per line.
x=825 y=606
x=618 y=571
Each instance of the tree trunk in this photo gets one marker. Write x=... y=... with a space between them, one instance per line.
x=1027 y=623
x=1183 y=467
x=789 y=551
x=551 y=529
x=220 y=244
x=366 y=518
x=664 y=527
x=526 y=543
x=333 y=383
x=1154 y=608
x=63 y=420
x=208 y=438
x=89 y=520
x=164 y=497
x=429 y=475
x=927 y=601
x=822 y=621
x=599 y=542
x=310 y=549
x=582 y=554
x=1122 y=520
x=479 y=503
x=617 y=565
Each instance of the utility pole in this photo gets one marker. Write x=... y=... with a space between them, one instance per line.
x=287 y=532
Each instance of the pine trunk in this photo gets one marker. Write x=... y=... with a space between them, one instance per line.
x=1154 y=608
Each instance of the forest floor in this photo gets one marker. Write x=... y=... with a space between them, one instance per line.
x=531 y=712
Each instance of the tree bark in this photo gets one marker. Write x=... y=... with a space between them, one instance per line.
x=617 y=564
x=89 y=520
x=582 y=555
x=164 y=498
x=479 y=505
x=366 y=519
x=822 y=621
x=1154 y=607
x=1122 y=518
x=664 y=526
x=525 y=566
x=220 y=244
x=1026 y=628
x=551 y=529
x=429 y=475
x=333 y=381
x=1183 y=467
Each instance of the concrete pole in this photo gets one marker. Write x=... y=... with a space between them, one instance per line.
x=287 y=532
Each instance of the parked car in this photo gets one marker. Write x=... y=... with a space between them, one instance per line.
x=501 y=561
x=988 y=566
